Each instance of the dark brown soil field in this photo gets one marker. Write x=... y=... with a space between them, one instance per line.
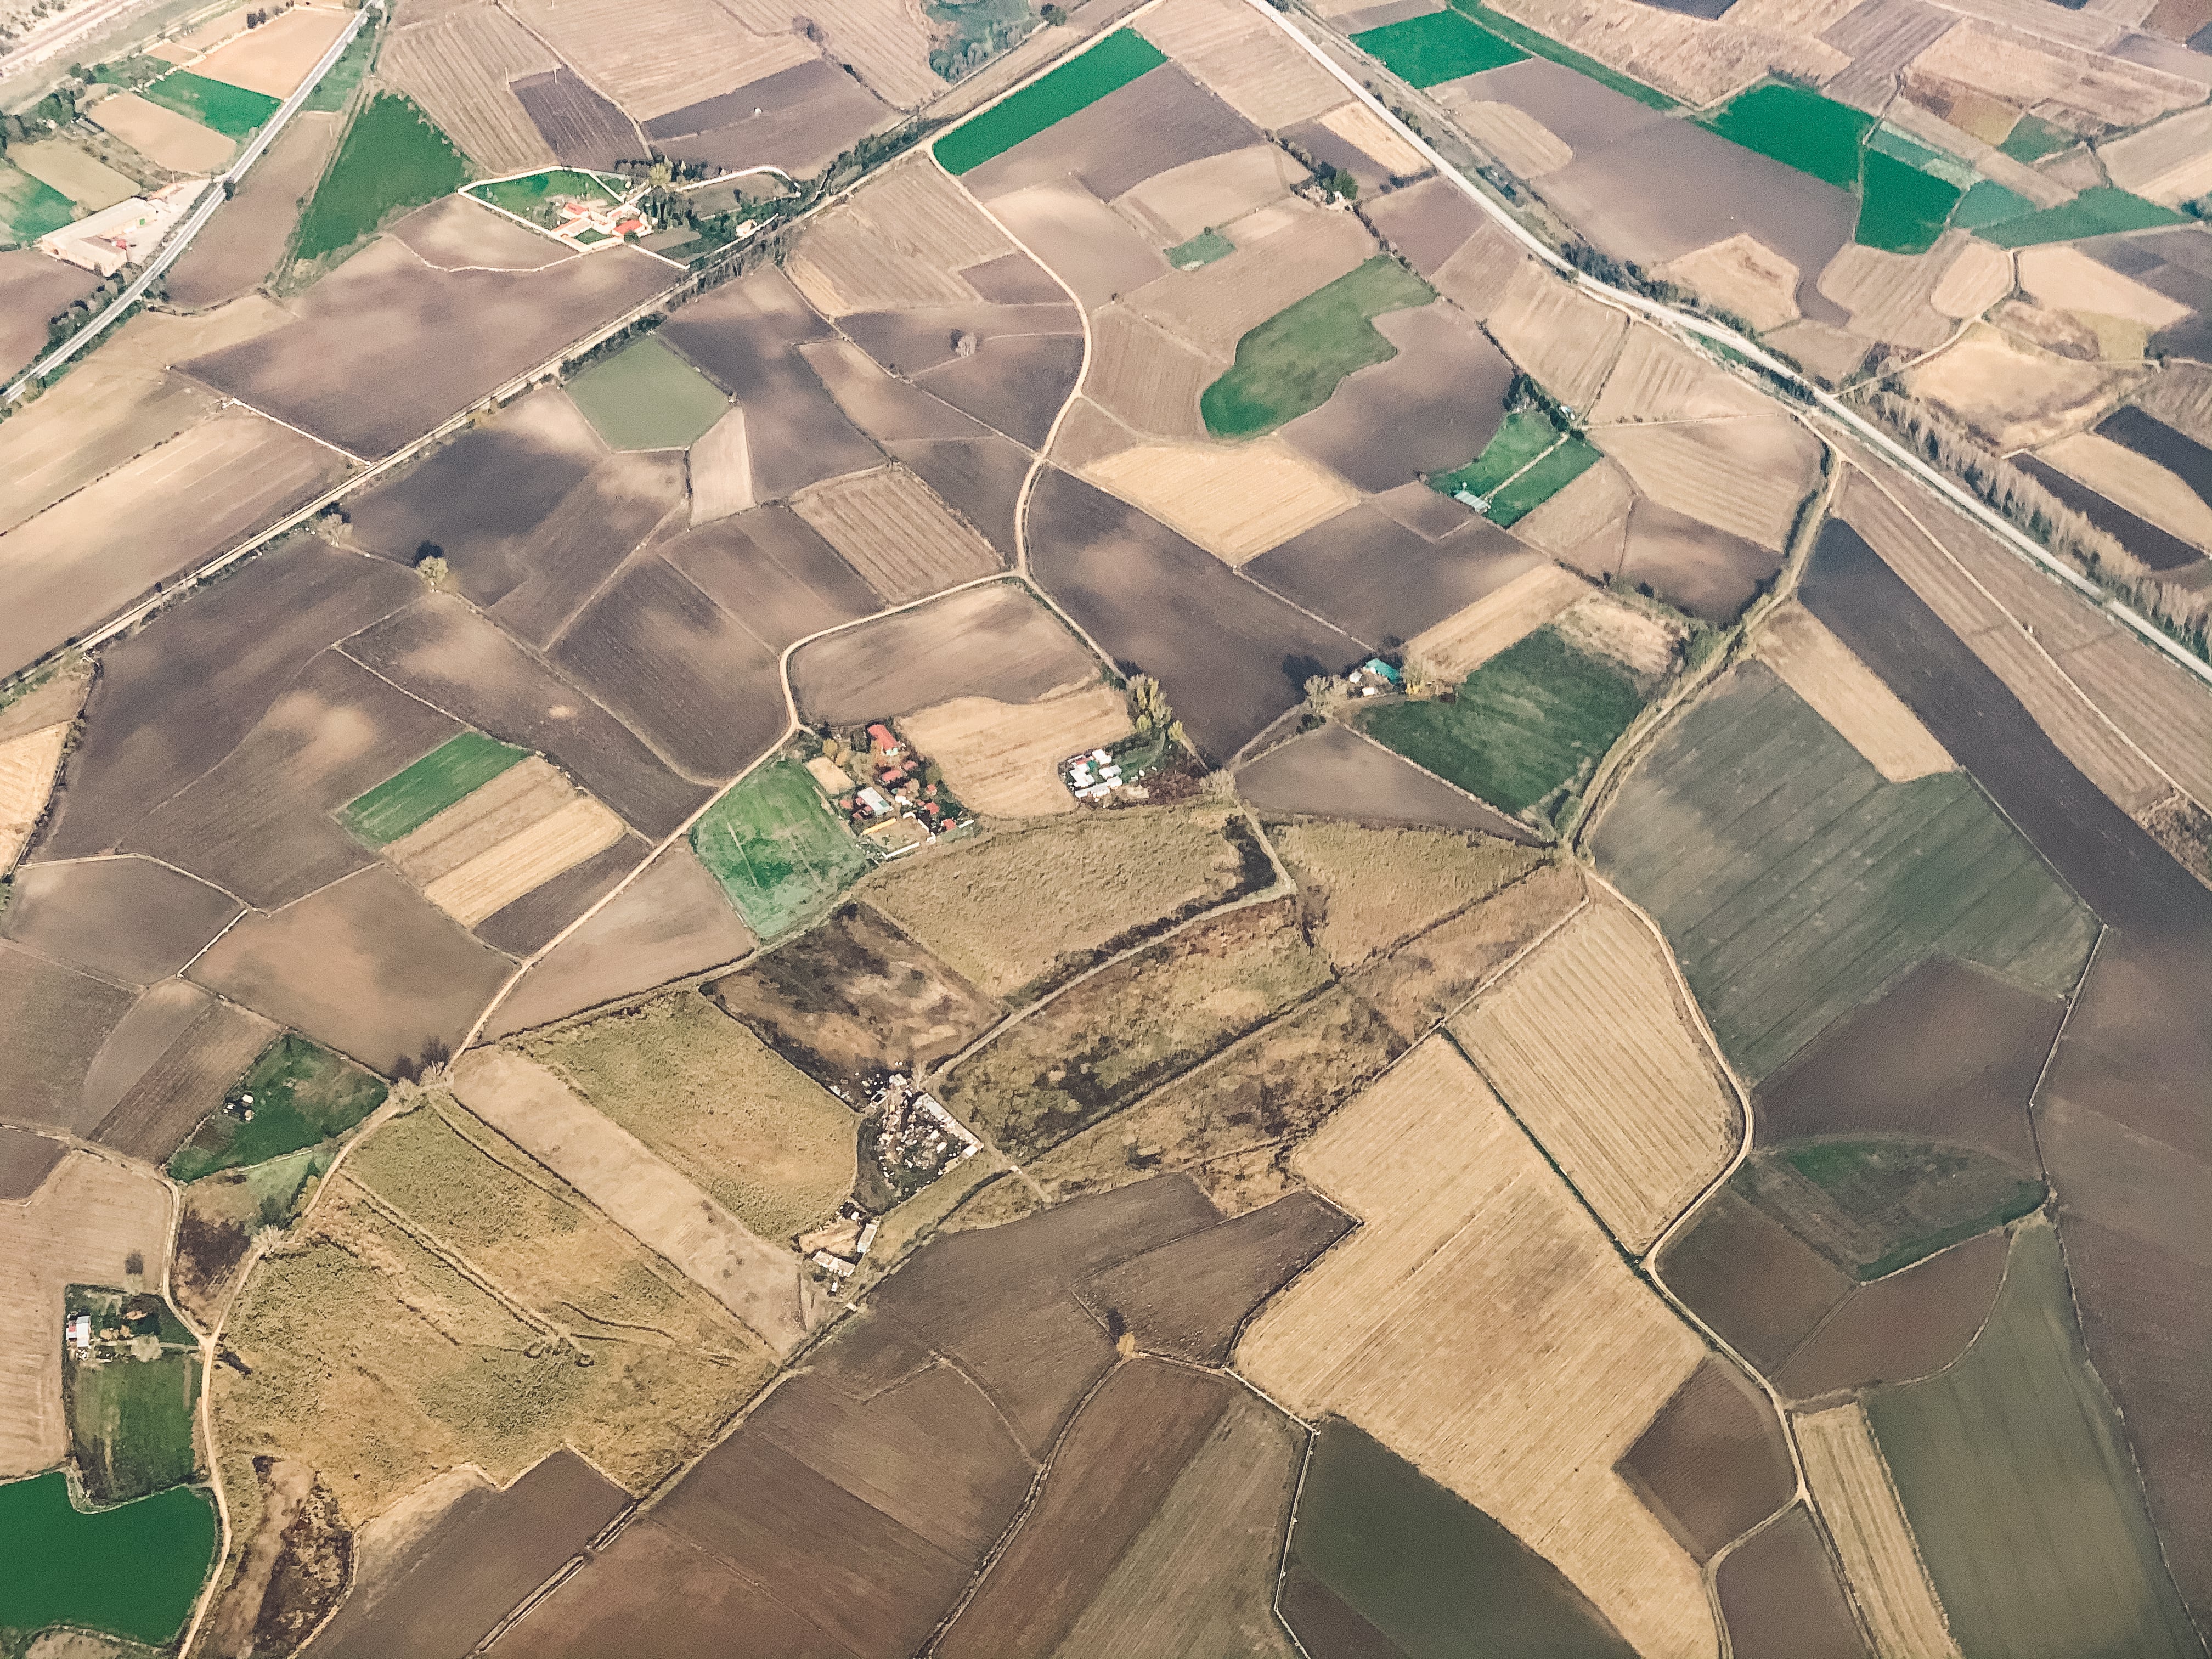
x=1782 y=1599
x=130 y=918
x=1949 y=1053
x=1712 y=1464
x=157 y=1022
x=2155 y=440
x=1427 y=223
x=187 y=1082
x=980 y=479
x=176 y=697
x=1189 y=1298
x=483 y=1556
x=443 y=651
x=1159 y=120
x=855 y=998
x=670 y=921
x=1330 y=150
x=1751 y=1279
x=995 y=641
x=1108 y=1473
x=259 y=823
x=386 y=349
x=1335 y=773
x=366 y=967
x=245 y=242
x=34 y=289
x=1693 y=566
x=743 y=335
x=584 y=129
x=1015 y=383
x=26 y=1159
x=1231 y=656
x=1014 y=279
x=1327 y=1628
x=887 y=409
x=2160 y=548
x=810 y=115
x=53 y=1021
x=561 y=563
x=1383 y=583
x=1002 y=1301
x=1430 y=409
x=911 y=341
x=770 y=570
x=1903 y=1327
x=679 y=669
x=531 y=920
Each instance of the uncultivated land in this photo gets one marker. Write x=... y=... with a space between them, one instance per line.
x=27 y=777
x=1002 y=760
x=1462 y=642
x=1365 y=891
x=2014 y=395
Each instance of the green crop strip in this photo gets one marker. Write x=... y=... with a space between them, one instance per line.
x=409 y=799
x=1111 y=64
x=394 y=157
x=1422 y=52
x=234 y=112
x=1550 y=475
x=29 y=207
x=1202 y=249
x=1292 y=362
x=1989 y=203
x=1525 y=434
x=2032 y=138
x=1799 y=129
x=2098 y=211
x=522 y=197
x=303 y=1095
x=1901 y=209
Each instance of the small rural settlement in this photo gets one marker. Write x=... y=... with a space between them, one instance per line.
x=984 y=830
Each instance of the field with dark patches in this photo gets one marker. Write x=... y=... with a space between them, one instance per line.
x=188 y=1079
x=810 y=114
x=1427 y=223
x=1782 y=1599
x=1713 y=1463
x=769 y=570
x=1693 y=566
x=545 y=577
x=1384 y=583
x=979 y=478
x=130 y=919
x=26 y=1159
x=530 y=923
x=53 y=1022
x=1756 y=1283
x=1014 y=384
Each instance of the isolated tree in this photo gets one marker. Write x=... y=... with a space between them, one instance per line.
x=1056 y=16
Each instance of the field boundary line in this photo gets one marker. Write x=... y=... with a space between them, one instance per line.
x=274 y=420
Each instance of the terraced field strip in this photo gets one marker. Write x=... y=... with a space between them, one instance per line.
x=1852 y=1486
x=1115 y=62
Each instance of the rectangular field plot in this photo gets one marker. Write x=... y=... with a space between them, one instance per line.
x=1113 y=63
x=1793 y=882
x=778 y=850
x=1441 y=46
x=1292 y=362
x=234 y=112
x=646 y=396
x=410 y=800
x=1798 y=128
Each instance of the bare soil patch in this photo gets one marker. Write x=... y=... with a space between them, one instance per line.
x=1751 y=1279
x=1003 y=759
x=1427 y=223
x=1782 y=1599
x=901 y=242
x=1908 y=1325
x=584 y=129
x=887 y=409
x=979 y=478
x=720 y=470
x=1713 y=1463
x=770 y=571
x=54 y=1020
x=130 y=918
x=1820 y=668
x=1335 y=773
x=241 y=248
x=811 y=115
x=1143 y=377
x=189 y=1079
x=1695 y=567
x=608 y=43
x=541 y=578
x=1746 y=477
x=457 y=233
x=526 y=925
x=1014 y=383
x=33 y=287
x=1176 y=206
x=460 y=67
x=1559 y=334
x=1385 y=581
x=26 y=1160
x=1159 y=120
x=87 y=425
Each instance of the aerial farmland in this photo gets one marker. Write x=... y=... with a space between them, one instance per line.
x=1333 y=830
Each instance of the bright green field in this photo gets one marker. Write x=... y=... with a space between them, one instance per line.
x=340 y=81
x=1441 y=46
x=1524 y=723
x=130 y=1424
x=1989 y=203
x=1115 y=62
x=779 y=852
x=302 y=1095
x=1525 y=434
x=2095 y=212
x=409 y=799
x=2016 y=1477
x=1553 y=473
x=134 y=1570
x=2032 y=138
x=1794 y=882
x=1292 y=362
x=1542 y=46
x=29 y=207
x=522 y=197
x=393 y=157
x=234 y=112
x=646 y=396
x=1434 y=1574
x=1202 y=249
x=1800 y=129
x=1901 y=209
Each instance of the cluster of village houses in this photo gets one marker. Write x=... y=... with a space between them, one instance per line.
x=915 y=1136
x=901 y=810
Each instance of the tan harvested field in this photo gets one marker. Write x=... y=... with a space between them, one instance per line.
x=1847 y=695
x=519 y=797
x=1283 y=253
x=2083 y=90
x=1641 y=639
x=1832 y=354
x=1429 y=977
x=1481 y=270
x=1589 y=1042
x=1144 y=376
x=1746 y=477
x=720 y=470
x=1462 y=642
x=1583 y=525
x=887 y=46
x=52 y=699
x=1979 y=277
x=457 y=234
x=2170 y=163
x=705 y=1093
x=2066 y=279
x=623 y=49
x=1656 y=378
x=1368 y=890
x=1524 y=146
x=638 y=1190
x=1482 y=1325
x=1088 y=434
x=1364 y=130
x=1236 y=501
x=276 y=57
x=525 y=861
x=458 y=69
x=891 y=527
x=1557 y=333
x=1889 y=294
x=1689 y=58
x=1097 y=252
x=70 y=170
x=1011 y=909
x=27 y=778
x=85 y=1222
x=1744 y=274
x=902 y=241
x=1247 y=62
x=163 y=137
x=1174 y=206
x=93 y=421
x=1003 y=759
x=2136 y=483
x=1851 y=1488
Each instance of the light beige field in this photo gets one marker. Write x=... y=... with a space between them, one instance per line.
x=1694 y=60
x=1587 y=1042
x=1567 y=524
x=1847 y=695
x=2014 y=395
x=72 y=172
x=27 y=778
x=1373 y=890
x=1832 y=354
x=1890 y=296
x=1245 y=59
x=1481 y=1324
x=1524 y=146
x=52 y=700
x=209 y=35
x=1366 y=132
x=161 y=135
x=1979 y=277
x=891 y=527
x=1850 y=1485
x=1144 y=376
x=91 y=422
x=1479 y=273
x=639 y=1191
x=2067 y=279
x=525 y=861
x=1095 y=252
x=1556 y=332
x=1178 y=203
x=888 y=47
x=1640 y=640
x=1747 y=476
x=2151 y=700
x=1003 y=759
x=622 y=48
x=2136 y=483
x=1744 y=274
x=1466 y=639
x=721 y=471
x=1656 y=378
x=457 y=68
x=1235 y=500
x=1283 y=253
x=2170 y=163
x=525 y=792
x=276 y=58
x=83 y=1225
x=1088 y=434
x=901 y=241
x=2077 y=88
